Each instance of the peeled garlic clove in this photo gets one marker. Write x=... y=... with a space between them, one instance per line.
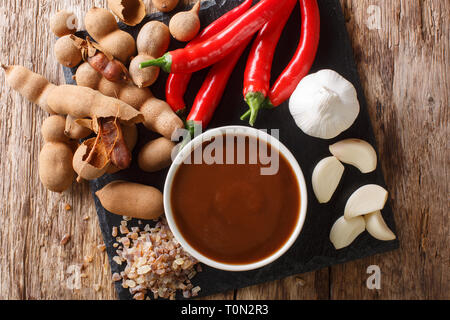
x=366 y=199
x=377 y=227
x=356 y=152
x=345 y=231
x=326 y=177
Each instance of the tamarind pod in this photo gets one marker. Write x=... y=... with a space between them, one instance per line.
x=32 y=86
x=131 y=199
x=83 y=102
x=100 y=164
x=55 y=159
x=90 y=160
x=156 y=155
x=67 y=52
x=152 y=41
x=87 y=76
x=111 y=136
x=52 y=129
x=129 y=12
x=73 y=130
x=102 y=27
x=158 y=116
x=130 y=135
x=112 y=70
x=55 y=166
x=63 y=23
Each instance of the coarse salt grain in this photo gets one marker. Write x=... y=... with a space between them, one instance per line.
x=139 y=296
x=125 y=241
x=144 y=269
x=124 y=230
x=117 y=260
x=155 y=263
x=130 y=283
x=116 y=277
x=195 y=290
x=134 y=235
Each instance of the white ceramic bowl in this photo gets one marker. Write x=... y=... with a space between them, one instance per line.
x=239 y=130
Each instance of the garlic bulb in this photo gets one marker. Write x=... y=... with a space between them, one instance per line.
x=324 y=104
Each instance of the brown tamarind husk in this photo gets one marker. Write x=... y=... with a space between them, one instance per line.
x=130 y=12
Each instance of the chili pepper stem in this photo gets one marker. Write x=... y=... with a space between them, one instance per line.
x=164 y=62
x=246 y=115
x=255 y=101
x=191 y=127
x=183 y=144
x=181 y=113
x=267 y=104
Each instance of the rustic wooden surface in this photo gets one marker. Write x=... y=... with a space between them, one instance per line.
x=403 y=62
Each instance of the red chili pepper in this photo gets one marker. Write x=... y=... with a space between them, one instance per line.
x=177 y=83
x=304 y=57
x=259 y=63
x=221 y=22
x=214 y=49
x=211 y=92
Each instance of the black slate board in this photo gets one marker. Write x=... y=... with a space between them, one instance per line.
x=312 y=250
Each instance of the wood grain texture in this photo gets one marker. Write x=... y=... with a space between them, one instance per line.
x=403 y=67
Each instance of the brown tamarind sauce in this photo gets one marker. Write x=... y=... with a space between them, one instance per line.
x=230 y=212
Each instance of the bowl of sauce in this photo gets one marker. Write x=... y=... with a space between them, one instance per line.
x=235 y=198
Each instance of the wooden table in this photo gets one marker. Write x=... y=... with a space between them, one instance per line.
x=402 y=50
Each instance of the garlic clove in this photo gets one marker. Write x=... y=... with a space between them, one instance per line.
x=366 y=199
x=326 y=177
x=345 y=231
x=356 y=152
x=377 y=227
